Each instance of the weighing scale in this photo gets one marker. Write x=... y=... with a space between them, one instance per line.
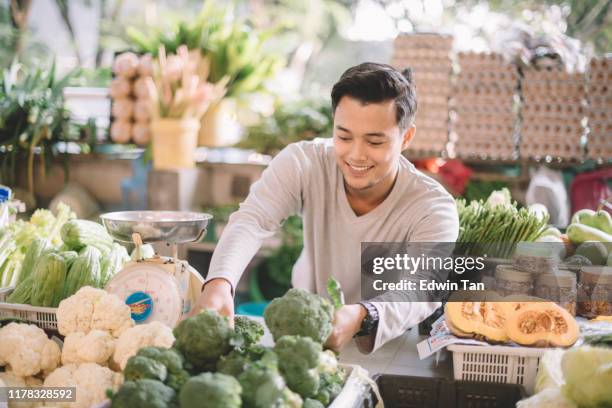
x=159 y=288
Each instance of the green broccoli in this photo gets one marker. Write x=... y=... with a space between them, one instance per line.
x=237 y=360
x=330 y=386
x=146 y=364
x=301 y=361
x=140 y=367
x=211 y=390
x=248 y=331
x=262 y=386
x=177 y=380
x=203 y=338
x=143 y=393
x=312 y=403
x=301 y=313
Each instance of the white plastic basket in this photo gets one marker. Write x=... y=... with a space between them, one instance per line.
x=43 y=317
x=498 y=364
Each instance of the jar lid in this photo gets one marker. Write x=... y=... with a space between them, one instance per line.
x=509 y=273
x=597 y=274
x=559 y=278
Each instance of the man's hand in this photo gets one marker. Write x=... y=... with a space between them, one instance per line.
x=217 y=295
x=347 y=322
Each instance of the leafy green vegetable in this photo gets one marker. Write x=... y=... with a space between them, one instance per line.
x=335 y=292
x=247 y=332
x=140 y=367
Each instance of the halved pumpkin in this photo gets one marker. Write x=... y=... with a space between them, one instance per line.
x=542 y=324
x=477 y=319
x=513 y=303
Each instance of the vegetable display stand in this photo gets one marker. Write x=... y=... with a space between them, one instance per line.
x=496 y=364
x=400 y=391
x=174 y=143
x=43 y=317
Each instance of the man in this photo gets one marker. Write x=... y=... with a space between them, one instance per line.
x=356 y=187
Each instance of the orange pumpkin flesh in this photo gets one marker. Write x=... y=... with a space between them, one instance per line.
x=542 y=324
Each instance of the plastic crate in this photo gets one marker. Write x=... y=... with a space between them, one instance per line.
x=43 y=317
x=400 y=391
x=496 y=364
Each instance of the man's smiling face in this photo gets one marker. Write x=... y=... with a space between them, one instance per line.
x=368 y=142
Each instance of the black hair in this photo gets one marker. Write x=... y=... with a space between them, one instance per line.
x=371 y=82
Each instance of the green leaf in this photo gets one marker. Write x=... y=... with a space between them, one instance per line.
x=335 y=292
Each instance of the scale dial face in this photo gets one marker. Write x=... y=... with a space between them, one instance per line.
x=150 y=291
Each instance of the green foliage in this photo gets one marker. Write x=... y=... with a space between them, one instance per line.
x=302 y=313
x=291 y=122
x=481 y=189
x=32 y=117
x=234 y=48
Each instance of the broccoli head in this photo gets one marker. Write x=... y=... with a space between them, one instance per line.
x=143 y=393
x=262 y=386
x=157 y=363
x=301 y=313
x=203 y=338
x=237 y=360
x=298 y=360
x=312 y=403
x=248 y=331
x=330 y=386
x=171 y=358
x=211 y=390
x=139 y=367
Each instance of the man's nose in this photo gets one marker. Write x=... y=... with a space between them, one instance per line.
x=358 y=151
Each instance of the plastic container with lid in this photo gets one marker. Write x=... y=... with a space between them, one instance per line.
x=559 y=287
x=511 y=281
x=595 y=291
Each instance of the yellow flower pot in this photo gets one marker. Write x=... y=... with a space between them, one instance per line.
x=219 y=125
x=174 y=143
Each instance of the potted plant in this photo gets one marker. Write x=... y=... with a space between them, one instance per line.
x=179 y=96
x=235 y=51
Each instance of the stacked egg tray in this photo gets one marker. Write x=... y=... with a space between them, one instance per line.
x=130 y=102
x=484 y=125
x=599 y=110
x=553 y=112
x=428 y=55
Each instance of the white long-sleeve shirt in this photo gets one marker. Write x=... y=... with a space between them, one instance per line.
x=304 y=179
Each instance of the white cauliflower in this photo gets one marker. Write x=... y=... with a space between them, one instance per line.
x=137 y=337
x=97 y=346
x=27 y=350
x=9 y=379
x=92 y=308
x=91 y=381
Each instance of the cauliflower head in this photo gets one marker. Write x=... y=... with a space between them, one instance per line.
x=203 y=338
x=9 y=379
x=27 y=350
x=300 y=313
x=91 y=381
x=211 y=390
x=90 y=308
x=137 y=337
x=97 y=346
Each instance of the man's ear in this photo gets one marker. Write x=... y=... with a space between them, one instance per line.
x=408 y=135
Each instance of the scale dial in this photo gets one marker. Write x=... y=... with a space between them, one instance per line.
x=150 y=291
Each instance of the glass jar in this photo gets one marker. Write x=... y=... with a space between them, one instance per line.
x=595 y=291
x=560 y=288
x=511 y=281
